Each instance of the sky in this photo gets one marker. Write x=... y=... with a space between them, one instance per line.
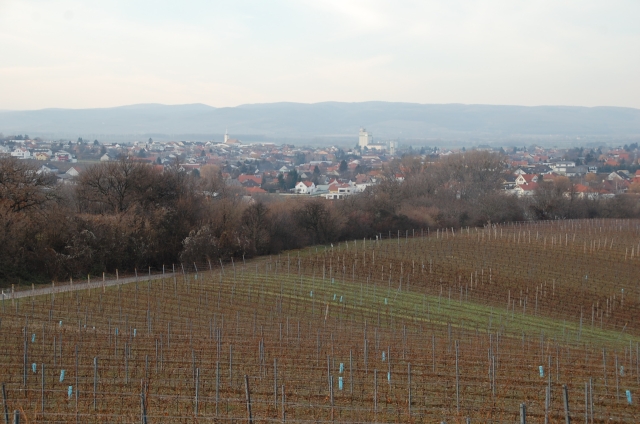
x=93 y=53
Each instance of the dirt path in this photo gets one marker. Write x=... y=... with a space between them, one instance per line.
x=7 y=294
x=66 y=287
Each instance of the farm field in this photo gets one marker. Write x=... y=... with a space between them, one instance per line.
x=423 y=326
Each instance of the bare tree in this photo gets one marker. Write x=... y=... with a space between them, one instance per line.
x=27 y=206
x=22 y=187
x=472 y=174
x=255 y=225
x=315 y=218
x=552 y=200
x=114 y=184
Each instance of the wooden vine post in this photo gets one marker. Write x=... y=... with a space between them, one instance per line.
x=248 y=396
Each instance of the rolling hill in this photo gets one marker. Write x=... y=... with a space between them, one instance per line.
x=329 y=119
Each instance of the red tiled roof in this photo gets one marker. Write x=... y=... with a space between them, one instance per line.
x=581 y=188
x=528 y=187
x=244 y=178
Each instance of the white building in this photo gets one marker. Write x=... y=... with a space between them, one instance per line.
x=340 y=191
x=305 y=187
x=21 y=153
x=563 y=167
x=47 y=169
x=108 y=157
x=73 y=172
x=364 y=138
x=392 y=147
x=228 y=140
x=360 y=188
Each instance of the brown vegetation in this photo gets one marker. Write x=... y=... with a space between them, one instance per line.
x=127 y=215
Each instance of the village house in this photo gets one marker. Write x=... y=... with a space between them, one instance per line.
x=63 y=156
x=42 y=154
x=73 y=171
x=108 y=157
x=21 y=153
x=526 y=179
x=305 y=187
x=339 y=191
x=250 y=180
x=619 y=176
x=522 y=190
x=563 y=167
x=48 y=169
x=509 y=182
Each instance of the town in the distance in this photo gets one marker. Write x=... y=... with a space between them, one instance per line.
x=335 y=172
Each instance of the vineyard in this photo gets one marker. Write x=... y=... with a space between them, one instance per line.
x=468 y=325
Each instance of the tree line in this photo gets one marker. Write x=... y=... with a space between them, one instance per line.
x=128 y=215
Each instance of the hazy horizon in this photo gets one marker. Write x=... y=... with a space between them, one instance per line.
x=74 y=54
x=302 y=121
x=311 y=104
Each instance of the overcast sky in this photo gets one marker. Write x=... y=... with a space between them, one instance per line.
x=90 y=53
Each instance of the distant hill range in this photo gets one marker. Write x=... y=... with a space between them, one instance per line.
x=339 y=121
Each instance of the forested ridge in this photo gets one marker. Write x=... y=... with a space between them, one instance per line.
x=128 y=215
